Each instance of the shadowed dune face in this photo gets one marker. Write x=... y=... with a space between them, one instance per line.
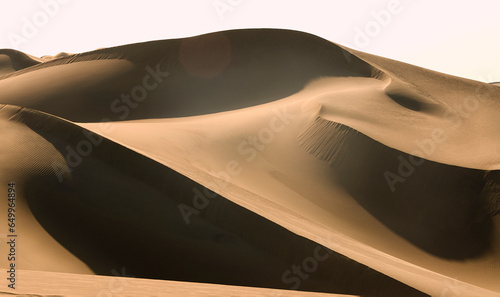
x=127 y=216
x=443 y=209
x=429 y=199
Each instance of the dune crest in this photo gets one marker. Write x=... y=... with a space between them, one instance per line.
x=12 y=61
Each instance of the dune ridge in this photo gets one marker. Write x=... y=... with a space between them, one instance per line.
x=226 y=244
x=284 y=206
x=450 y=206
x=74 y=58
x=259 y=71
x=12 y=61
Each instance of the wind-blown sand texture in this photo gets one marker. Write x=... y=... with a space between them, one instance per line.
x=253 y=158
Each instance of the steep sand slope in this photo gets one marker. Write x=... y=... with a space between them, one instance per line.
x=113 y=208
x=276 y=178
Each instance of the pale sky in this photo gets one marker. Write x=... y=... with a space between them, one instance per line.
x=455 y=37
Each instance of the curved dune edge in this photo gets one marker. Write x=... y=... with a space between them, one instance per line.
x=409 y=273
x=12 y=61
x=433 y=122
x=329 y=236
x=457 y=204
x=222 y=219
x=293 y=213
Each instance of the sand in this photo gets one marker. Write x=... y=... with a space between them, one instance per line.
x=302 y=144
x=50 y=284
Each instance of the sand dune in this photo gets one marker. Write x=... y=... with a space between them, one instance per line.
x=231 y=157
x=50 y=284
x=128 y=215
x=263 y=66
x=295 y=188
x=12 y=61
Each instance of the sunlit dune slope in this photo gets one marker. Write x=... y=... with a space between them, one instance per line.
x=116 y=208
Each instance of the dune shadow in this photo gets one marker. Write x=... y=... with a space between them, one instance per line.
x=443 y=209
x=119 y=209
